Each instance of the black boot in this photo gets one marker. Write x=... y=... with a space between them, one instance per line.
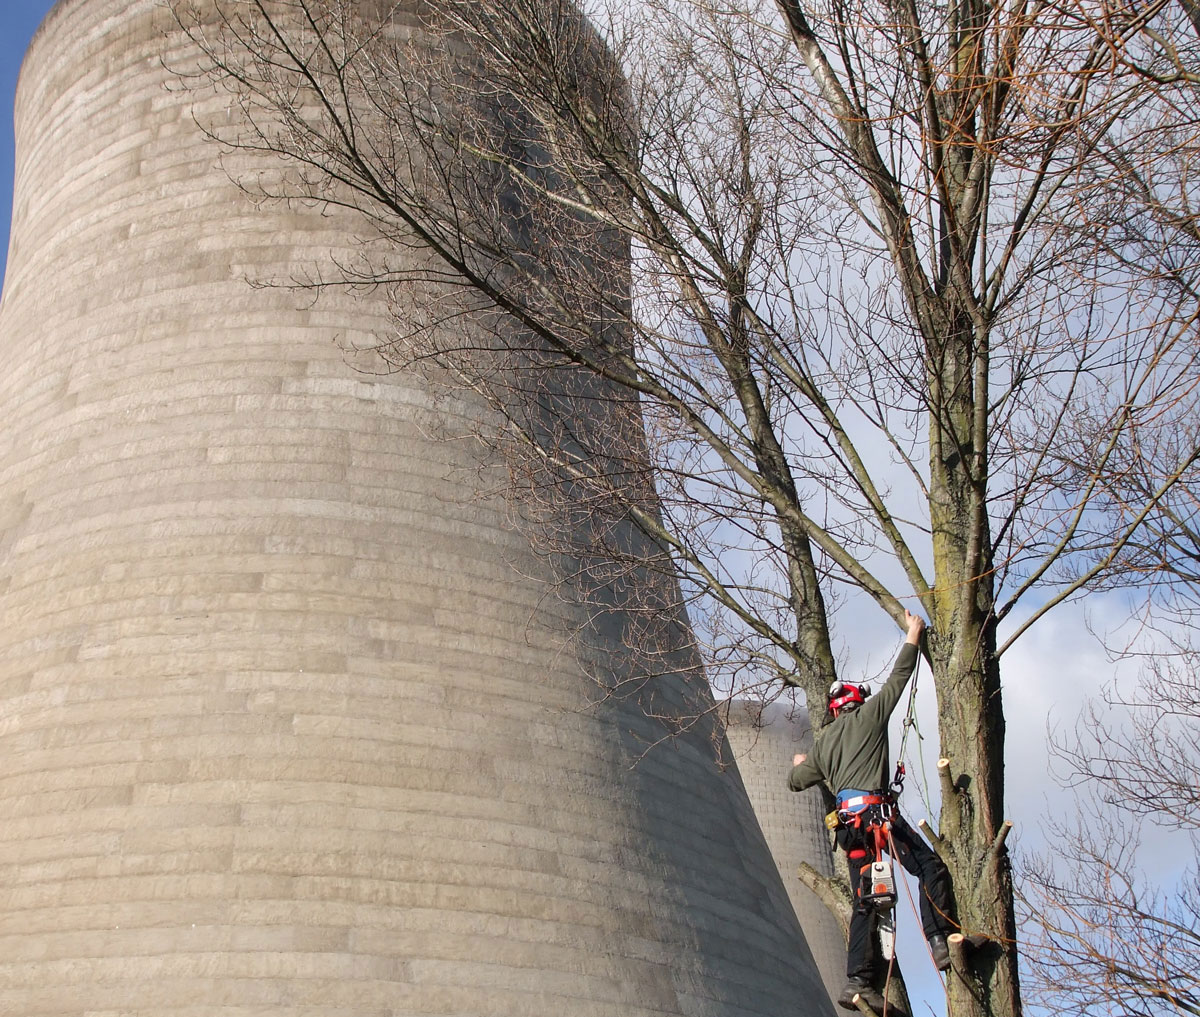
x=941 y=952
x=861 y=988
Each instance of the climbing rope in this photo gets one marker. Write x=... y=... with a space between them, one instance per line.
x=910 y=723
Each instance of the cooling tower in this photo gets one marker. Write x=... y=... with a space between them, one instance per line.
x=283 y=731
x=763 y=741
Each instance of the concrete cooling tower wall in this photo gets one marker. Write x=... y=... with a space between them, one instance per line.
x=282 y=731
x=763 y=741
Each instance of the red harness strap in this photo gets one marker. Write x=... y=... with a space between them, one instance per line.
x=875 y=810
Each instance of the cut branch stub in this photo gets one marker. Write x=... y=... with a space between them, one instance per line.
x=956 y=941
x=862 y=1007
x=951 y=806
x=935 y=841
x=998 y=843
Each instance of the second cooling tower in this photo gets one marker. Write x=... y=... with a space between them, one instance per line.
x=763 y=740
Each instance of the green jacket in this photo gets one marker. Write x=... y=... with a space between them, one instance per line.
x=852 y=752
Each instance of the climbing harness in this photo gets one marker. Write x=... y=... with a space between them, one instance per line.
x=869 y=816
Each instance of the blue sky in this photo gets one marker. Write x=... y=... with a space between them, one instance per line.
x=18 y=21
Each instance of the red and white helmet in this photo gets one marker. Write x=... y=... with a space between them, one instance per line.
x=843 y=697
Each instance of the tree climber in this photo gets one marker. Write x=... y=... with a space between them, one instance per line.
x=850 y=755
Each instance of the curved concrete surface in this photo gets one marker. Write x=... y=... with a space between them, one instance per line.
x=282 y=732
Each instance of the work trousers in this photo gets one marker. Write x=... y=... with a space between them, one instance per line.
x=937 y=903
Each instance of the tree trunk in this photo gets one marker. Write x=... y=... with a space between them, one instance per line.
x=972 y=832
x=967 y=678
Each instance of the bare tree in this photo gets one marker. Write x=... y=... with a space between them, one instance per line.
x=1113 y=912
x=803 y=305
x=1116 y=931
